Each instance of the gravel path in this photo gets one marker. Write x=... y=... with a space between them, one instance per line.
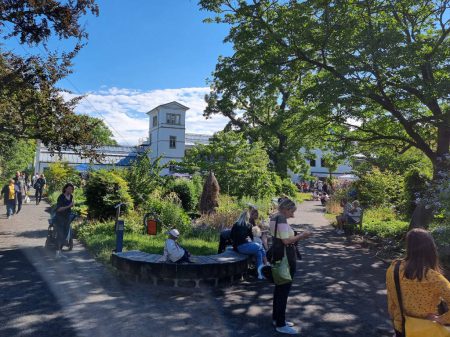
x=338 y=291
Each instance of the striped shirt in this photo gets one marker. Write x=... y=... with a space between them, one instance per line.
x=284 y=231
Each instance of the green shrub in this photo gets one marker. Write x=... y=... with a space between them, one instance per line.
x=384 y=222
x=60 y=173
x=104 y=190
x=288 y=188
x=187 y=192
x=170 y=214
x=143 y=177
x=377 y=188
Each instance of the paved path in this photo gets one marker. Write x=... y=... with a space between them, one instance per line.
x=338 y=291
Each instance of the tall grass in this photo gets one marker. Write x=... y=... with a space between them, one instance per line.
x=100 y=239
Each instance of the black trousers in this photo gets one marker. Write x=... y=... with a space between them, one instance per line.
x=38 y=195
x=281 y=292
x=19 y=202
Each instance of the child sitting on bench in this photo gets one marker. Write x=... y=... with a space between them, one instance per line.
x=173 y=252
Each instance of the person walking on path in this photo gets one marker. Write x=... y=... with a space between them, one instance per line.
x=62 y=218
x=39 y=186
x=9 y=197
x=286 y=234
x=20 y=190
x=421 y=281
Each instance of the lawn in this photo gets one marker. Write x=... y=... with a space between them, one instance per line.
x=100 y=239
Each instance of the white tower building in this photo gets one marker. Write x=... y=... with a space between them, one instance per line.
x=167 y=132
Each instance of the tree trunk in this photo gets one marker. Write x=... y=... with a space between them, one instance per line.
x=423 y=213
x=421 y=217
x=280 y=160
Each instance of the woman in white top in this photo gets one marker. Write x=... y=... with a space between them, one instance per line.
x=285 y=233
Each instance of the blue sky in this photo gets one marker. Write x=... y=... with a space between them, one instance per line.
x=142 y=53
x=149 y=44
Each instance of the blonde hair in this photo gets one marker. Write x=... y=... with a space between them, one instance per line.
x=256 y=231
x=243 y=218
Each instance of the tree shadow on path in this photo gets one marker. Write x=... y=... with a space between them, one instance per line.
x=28 y=307
x=339 y=291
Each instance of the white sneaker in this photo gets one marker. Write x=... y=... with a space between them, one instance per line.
x=60 y=255
x=260 y=276
x=291 y=324
x=287 y=330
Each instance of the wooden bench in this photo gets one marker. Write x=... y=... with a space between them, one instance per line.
x=207 y=270
x=351 y=227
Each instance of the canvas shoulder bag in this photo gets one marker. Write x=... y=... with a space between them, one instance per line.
x=281 y=273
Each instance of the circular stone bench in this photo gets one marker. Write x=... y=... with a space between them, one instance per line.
x=210 y=270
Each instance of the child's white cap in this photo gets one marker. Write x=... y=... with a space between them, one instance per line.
x=174 y=232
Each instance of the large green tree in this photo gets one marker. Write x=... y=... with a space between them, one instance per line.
x=376 y=70
x=241 y=168
x=31 y=104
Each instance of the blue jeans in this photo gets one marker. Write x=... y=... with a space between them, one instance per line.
x=253 y=248
x=10 y=205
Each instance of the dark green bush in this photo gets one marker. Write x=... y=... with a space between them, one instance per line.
x=104 y=190
x=376 y=188
x=186 y=191
x=415 y=187
x=288 y=188
x=169 y=214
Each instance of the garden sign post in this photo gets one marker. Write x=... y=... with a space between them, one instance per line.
x=119 y=228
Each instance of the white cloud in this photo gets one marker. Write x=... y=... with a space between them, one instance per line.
x=124 y=110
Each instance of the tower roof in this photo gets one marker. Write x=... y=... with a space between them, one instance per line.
x=171 y=105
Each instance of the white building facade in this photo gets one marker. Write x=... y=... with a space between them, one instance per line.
x=167 y=138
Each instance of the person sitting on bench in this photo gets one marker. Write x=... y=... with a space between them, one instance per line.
x=173 y=252
x=354 y=214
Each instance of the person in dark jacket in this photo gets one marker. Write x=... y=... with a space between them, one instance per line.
x=39 y=186
x=62 y=217
x=242 y=237
x=20 y=190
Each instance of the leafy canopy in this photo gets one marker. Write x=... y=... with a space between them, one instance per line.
x=31 y=104
x=374 y=71
x=241 y=167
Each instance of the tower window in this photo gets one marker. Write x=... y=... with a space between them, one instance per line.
x=173 y=119
x=155 y=121
x=173 y=142
x=312 y=163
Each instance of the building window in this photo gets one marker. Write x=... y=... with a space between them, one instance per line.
x=172 y=168
x=312 y=162
x=155 y=121
x=173 y=142
x=150 y=140
x=323 y=162
x=173 y=119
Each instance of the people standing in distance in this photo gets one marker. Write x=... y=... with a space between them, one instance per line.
x=62 y=217
x=39 y=186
